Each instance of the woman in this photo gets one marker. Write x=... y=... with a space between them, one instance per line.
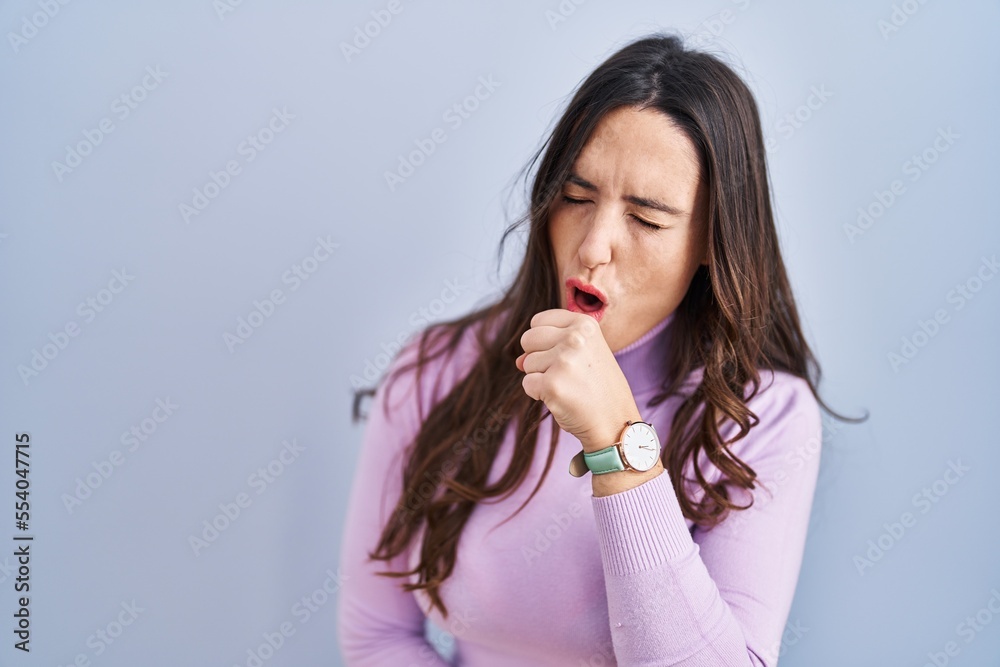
x=652 y=300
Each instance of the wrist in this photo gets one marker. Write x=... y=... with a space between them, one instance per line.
x=611 y=429
x=623 y=480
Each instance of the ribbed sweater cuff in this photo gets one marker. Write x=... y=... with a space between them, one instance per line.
x=642 y=527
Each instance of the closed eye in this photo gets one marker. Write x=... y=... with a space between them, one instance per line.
x=648 y=225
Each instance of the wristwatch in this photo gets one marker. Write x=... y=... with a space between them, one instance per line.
x=637 y=449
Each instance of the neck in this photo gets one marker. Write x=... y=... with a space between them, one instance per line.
x=644 y=361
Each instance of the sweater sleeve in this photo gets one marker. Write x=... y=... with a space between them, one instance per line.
x=379 y=624
x=719 y=597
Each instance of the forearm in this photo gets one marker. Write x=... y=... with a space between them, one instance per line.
x=663 y=606
x=616 y=482
x=673 y=615
x=388 y=650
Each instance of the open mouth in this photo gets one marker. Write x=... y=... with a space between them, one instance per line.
x=584 y=298
x=588 y=303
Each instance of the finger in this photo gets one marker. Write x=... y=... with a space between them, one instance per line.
x=538 y=361
x=556 y=317
x=540 y=338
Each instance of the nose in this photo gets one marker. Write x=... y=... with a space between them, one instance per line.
x=595 y=249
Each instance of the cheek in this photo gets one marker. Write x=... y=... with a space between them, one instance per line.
x=662 y=268
x=683 y=251
x=657 y=276
x=561 y=235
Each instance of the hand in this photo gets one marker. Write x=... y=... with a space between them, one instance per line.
x=569 y=366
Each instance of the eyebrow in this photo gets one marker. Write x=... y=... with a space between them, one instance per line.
x=644 y=202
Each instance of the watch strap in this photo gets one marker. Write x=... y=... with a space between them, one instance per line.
x=604 y=460
x=577 y=466
x=600 y=462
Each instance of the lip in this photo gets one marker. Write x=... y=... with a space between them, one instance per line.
x=576 y=283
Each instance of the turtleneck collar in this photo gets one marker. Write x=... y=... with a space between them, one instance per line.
x=644 y=361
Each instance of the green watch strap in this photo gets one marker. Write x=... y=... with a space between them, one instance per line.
x=604 y=460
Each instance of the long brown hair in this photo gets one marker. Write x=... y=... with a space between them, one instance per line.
x=737 y=316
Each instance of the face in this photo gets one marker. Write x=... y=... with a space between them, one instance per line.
x=630 y=221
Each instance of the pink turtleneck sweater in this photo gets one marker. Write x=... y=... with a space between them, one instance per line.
x=578 y=580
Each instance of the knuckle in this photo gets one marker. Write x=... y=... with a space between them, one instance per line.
x=591 y=327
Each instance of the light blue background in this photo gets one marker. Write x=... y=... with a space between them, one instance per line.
x=400 y=254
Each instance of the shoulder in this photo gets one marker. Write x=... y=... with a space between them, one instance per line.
x=411 y=395
x=788 y=419
x=782 y=396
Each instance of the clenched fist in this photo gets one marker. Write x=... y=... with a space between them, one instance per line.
x=569 y=366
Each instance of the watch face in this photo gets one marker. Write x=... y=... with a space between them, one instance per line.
x=641 y=446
